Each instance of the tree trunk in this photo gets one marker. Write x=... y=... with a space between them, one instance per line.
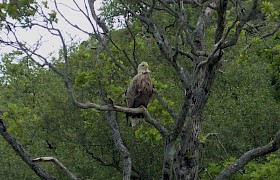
x=169 y=151
x=186 y=161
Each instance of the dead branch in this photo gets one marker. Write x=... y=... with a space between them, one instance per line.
x=22 y=153
x=250 y=155
x=111 y=118
x=57 y=163
x=165 y=105
x=243 y=18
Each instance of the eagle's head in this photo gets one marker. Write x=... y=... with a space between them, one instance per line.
x=143 y=67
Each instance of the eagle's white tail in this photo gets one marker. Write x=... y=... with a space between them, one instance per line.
x=134 y=121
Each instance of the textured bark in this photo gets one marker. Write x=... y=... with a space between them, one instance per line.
x=169 y=151
x=120 y=145
x=187 y=159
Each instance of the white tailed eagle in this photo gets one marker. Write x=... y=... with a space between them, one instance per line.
x=139 y=92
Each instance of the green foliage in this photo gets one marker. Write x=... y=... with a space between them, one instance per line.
x=20 y=10
x=272 y=56
x=38 y=112
x=270 y=11
x=52 y=17
x=241 y=102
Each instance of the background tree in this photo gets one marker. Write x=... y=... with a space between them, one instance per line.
x=189 y=41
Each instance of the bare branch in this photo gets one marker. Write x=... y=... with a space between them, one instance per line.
x=277 y=27
x=155 y=123
x=86 y=8
x=248 y=156
x=106 y=38
x=199 y=31
x=220 y=143
x=166 y=106
x=111 y=118
x=70 y=23
x=243 y=18
x=100 y=22
x=146 y=20
x=179 y=125
x=101 y=161
x=57 y=163
x=134 y=62
x=221 y=10
x=140 y=110
x=169 y=9
x=217 y=46
x=22 y=153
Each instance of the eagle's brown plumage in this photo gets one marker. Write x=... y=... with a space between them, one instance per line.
x=139 y=92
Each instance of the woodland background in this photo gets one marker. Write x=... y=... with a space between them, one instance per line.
x=242 y=112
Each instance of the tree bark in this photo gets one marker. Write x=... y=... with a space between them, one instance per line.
x=187 y=158
x=169 y=151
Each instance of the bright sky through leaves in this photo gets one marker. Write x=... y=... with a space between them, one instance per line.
x=51 y=43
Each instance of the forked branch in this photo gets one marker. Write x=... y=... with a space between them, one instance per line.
x=58 y=164
x=22 y=153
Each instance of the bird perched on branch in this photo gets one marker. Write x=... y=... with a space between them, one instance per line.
x=139 y=92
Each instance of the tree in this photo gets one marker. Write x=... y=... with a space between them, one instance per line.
x=191 y=37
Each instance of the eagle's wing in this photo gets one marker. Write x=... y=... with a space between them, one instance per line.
x=139 y=93
x=132 y=91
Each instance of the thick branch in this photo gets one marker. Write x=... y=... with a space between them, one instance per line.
x=57 y=163
x=222 y=7
x=111 y=118
x=112 y=107
x=248 y=156
x=120 y=145
x=182 y=117
x=23 y=154
x=243 y=17
x=216 y=47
